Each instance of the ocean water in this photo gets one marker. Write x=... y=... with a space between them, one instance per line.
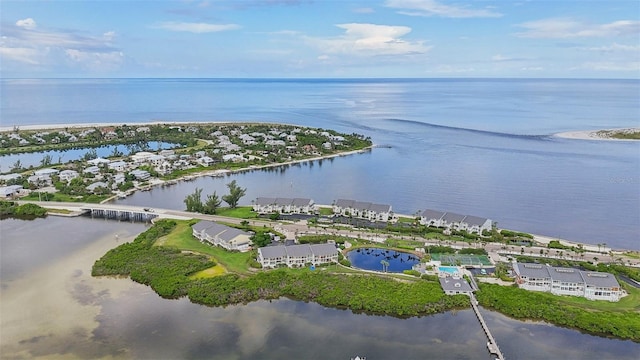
x=481 y=147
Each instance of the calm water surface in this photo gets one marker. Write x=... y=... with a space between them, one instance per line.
x=137 y=324
x=480 y=147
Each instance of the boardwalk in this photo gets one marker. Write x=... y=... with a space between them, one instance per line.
x=492 y=345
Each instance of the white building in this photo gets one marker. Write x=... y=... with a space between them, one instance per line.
x=567 y=281
x=364 y=210
x=222 y=235
x=297 y=255
x=118 y=166
x=10 y=191
x=68 y=175
x=264 y=205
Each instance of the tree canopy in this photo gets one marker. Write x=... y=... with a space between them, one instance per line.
x=235 y=193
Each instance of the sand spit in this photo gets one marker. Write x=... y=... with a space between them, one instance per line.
x=52 y=310
x=596 y=134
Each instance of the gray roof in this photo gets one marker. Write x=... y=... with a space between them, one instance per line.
x=301 y=202
x=600 y=279
x=204 y=224
x=323 y=249
x=230 y=233
x=565 y=275
x=361 y=205
x=475 y=220
x=272 y=252
x=283 y=201
x=298 y=250
x=449 y=284
x=538 y=271
x=452 y=217
x=432 y=214
x=265 y=201
x=343 y=203
x=380 y=208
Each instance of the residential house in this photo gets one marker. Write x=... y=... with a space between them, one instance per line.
x=364 y=210
x=206 y=161
x=10 y=177
x=452 y=220
x=140 y=174
x=431 y=218
x=68 y=175
x=567 y=281
x=118 y=166
x=99 y=184
x=98 y=161
x=297 y=255
x=10 y=191
x=265 y=205
x=92 y=170
x=455 y=285
x=141 y=157
x=222 y=235
x=475 y=224
x=46 y=172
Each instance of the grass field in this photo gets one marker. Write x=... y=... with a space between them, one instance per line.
x=630 y=302
x=182 y=238
x=240 y=212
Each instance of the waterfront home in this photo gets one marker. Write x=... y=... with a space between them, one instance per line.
x=10 y=177
x=601 y=286
x=96 y=185
x=118 y=166
x=140 y=174
x=98 y=161
x=205 y=161
x=92 y=170
x=141 y=157
x=68 y=175
x=264 y=205
x=40 y=180
x=364 y=210
x=453 y=221
x=46 y=172
x=297 y=255
x=222 y=235
x=10 y=191
x=455 y=285
x=567 y=281
x=475 y=224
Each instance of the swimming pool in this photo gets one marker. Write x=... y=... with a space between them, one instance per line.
x=452 y=270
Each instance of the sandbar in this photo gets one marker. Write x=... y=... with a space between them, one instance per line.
x=595 y=134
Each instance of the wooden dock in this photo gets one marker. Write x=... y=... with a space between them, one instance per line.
x=492 y=345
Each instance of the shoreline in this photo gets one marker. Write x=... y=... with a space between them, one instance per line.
x=595 y=134
x=34 y=127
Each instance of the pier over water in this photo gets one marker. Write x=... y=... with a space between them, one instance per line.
x=492 y=345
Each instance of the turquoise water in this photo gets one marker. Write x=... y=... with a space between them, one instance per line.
x=449 y=269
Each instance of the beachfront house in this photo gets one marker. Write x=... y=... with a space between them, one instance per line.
x=452 y=220
x=297 y=255
x=222 y=235
x=431 y=218
x=364 y=210
x=567 y=281
x=141 y=175
x=264 y=205
x=475 y=224
x=449 y=220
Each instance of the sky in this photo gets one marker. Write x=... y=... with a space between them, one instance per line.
x=320 y=39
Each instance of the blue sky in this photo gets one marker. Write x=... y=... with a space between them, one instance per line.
x=321 y=39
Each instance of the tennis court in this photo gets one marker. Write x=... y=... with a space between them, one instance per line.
x=464 y=260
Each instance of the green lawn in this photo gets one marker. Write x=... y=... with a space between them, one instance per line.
x=325 y=211
x=182 y=238
x=630 y=302
x=240 y=212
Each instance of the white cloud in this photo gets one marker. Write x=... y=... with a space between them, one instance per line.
x=371 y=40
x=611 y=66
x=197 y=28
x=27 y=23
x=452 y=69
x=500 y=57
x=46 y=48
x=615 y=47
x=434 y=8
x=563 y=28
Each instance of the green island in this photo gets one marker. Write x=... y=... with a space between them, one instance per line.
x=174 y=264
x=623 y=134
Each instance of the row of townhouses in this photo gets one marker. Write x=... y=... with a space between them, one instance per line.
x=567 y=281
x=265 y=205
x=297 y=255
x=364 y=210
x=453 y=221
x=222 y=235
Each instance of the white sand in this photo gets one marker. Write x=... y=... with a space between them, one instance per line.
x=54 y=308
x=92 y=125
x=594 y=134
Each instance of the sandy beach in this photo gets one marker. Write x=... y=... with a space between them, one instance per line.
x=594 y=134
x=54 y=307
